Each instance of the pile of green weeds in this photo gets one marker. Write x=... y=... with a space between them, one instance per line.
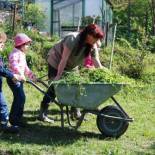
x=92 y=76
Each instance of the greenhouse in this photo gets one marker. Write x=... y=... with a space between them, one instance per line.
x=68 y=15
x=63 y=16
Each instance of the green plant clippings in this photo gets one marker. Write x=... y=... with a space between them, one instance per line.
x=93 y=75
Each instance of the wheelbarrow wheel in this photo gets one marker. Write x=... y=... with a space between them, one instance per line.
x=111 y=127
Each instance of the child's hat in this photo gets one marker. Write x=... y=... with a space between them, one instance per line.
x=21 y=39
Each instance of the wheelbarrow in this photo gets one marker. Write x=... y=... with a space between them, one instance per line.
x=112 y=120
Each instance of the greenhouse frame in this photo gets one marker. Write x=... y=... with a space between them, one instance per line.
x=64 y=16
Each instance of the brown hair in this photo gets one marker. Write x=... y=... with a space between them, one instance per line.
x=93 y=30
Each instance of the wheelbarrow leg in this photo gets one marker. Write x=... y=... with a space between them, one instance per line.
x=78 y=123
x=119 y=106
x=62 y=116
x=80 y=120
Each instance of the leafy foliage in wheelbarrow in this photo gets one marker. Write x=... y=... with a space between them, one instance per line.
x=94 y=75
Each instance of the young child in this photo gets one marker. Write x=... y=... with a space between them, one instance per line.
x=88 y=61
x=18 y=65
x=4 y=115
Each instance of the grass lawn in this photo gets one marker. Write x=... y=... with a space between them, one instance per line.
x=43 y=138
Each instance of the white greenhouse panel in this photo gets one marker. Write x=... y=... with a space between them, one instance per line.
x=64 y=3
x=46 y=6
x=92 y=7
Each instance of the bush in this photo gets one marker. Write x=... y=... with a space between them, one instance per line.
x=8 y=48
x=34 y=15
x=148 y=78
x=37 y=55
x=126 y=60
x=151 y=44
x=132 y=63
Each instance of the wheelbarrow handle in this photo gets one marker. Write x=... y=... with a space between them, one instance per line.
x=43 y=83
x=36 y=86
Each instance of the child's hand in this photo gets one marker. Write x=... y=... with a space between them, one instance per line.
x=23 y=78
x=34 y=78
x=16 y=78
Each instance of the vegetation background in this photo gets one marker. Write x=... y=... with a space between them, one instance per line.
x=134 y=56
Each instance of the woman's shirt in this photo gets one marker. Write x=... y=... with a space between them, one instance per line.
x=18 y=64
x=71 y=42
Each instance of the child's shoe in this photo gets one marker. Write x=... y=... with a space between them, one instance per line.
x=9 y=129
x=19 y=124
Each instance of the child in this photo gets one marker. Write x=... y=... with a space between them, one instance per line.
x=88 y=61
x=18 y=65
x=4 y=115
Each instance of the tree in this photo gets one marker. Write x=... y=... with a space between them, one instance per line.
x=133 y=15
x=34 y=15
x=152 y=8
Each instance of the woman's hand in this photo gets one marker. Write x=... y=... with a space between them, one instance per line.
x=56 y=78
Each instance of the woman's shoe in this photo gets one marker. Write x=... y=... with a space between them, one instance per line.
x=75 y=113
x=43 y=113
x=45 y=119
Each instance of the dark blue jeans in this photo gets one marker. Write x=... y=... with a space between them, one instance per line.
x=17 y=107
x=4 y=115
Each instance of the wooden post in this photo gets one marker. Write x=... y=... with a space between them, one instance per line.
x=14 y=17
x=106 y=37
x=112 y=51
x=129 y=20
x=23 y=9
x=79 y=23
x=52 y=9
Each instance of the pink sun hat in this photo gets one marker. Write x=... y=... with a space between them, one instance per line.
x=21 y=39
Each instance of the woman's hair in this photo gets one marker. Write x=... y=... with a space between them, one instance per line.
x=93 y=30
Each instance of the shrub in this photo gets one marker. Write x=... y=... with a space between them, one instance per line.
x=34 y=15
x=126 y=60
x=151 y=44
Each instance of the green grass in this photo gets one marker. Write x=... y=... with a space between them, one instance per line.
x=43 y=138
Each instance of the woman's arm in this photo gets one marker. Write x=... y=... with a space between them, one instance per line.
x=63 y=62
x=96 y=59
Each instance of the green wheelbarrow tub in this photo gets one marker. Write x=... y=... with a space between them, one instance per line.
x=86 y=96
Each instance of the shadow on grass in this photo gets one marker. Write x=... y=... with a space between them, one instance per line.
x=51 y=112
x=54 y=113
x=37 y=132
x=43 y=134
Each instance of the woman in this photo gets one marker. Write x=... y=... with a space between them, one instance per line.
x=66 y=55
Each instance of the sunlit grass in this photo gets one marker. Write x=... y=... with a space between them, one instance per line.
x=43 y=138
